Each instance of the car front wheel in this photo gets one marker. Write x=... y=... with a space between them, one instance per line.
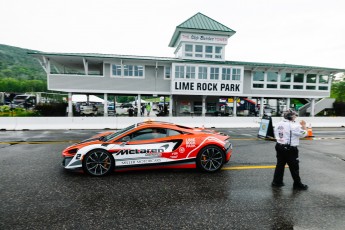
x=98 y=162
x=210 y=159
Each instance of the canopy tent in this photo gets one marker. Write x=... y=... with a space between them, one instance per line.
x=83 y=98
x=134 y=102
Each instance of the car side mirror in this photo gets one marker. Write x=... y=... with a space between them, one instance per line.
x=125 y=139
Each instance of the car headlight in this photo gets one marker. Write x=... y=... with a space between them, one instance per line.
x=228 y=145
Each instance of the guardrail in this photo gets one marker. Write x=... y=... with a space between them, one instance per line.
x=61 y=123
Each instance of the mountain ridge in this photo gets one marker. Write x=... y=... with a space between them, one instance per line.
x=16 y=63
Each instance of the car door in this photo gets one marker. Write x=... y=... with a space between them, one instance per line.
x=144 y=147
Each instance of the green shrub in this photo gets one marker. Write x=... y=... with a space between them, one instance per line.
x=4 y=108
x=5 y=111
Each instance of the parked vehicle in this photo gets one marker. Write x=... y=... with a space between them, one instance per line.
x=120 y=109
x=92 y=109
x=24 y=101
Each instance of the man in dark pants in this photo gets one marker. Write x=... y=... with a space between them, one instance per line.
x=287 y=133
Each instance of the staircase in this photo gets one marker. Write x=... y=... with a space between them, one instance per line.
x=302 y=112
x=324 y=103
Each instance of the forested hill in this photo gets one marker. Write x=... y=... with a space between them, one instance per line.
x=16 y=63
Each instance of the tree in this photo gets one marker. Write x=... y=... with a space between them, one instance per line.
x=124 y=99
x=14 y=85
x=338 y=91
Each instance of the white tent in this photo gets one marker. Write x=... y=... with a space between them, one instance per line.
x=83 y=98
x=142 y=102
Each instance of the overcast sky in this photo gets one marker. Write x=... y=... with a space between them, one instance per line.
x=304 y=32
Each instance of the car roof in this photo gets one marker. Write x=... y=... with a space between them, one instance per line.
x=185 y=129
x=163 y=124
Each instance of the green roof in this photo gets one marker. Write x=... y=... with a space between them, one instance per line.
x=201 y=23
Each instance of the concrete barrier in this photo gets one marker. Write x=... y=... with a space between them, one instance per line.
x=61 y=123
x=8 y=123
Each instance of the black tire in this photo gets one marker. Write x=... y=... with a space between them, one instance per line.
x=210 y=159
x=98 y=162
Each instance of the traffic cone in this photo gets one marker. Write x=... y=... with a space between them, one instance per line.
x=309 y=131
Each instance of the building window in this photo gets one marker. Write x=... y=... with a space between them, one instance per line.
x=199 y=51
x=190 y=72
x=258 y=76
x=128 y=70
x=203 y=51
x=272 y=86
x=218 y=52
x=209 y=51
x=167 y=72
x=310 y=87
x=214 y=73
x=258 y=86
x=117 y=70
x=226 y=72
x=323 y=87
x=202 y=73
x=298 y=77
x=188 y=50
x=272 y=76
x=138 y=71
x=311 y=78
x=298 y=87
x=179 y=71
x=236 y=74
x=206 y=72
x=285 y=77
x=323 y=79
x=285 y=86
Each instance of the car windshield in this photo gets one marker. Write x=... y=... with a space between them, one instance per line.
x=20 y=97
x=118 y=133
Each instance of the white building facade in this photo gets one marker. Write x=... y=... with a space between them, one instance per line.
x=196 y=80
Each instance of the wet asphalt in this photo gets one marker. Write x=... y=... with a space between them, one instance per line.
x=37 y=193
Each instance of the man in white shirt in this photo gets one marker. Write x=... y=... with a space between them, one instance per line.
x=287 y=133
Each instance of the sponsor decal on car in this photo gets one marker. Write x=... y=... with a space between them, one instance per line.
x=141 y=161
x=144 y=150
x=190 y=142
x=174 y=155
x=147 y=152
x=181 y=150
x=141 y=154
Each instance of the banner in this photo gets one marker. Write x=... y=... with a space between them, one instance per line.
x=266 y=128
x=204 y=87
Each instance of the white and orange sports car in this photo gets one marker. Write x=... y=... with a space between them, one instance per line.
x=150 y=145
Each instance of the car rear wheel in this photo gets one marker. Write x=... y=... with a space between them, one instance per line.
x=210 y=159
x=98 y=162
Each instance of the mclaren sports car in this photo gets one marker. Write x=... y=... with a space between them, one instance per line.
x=149 y=145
